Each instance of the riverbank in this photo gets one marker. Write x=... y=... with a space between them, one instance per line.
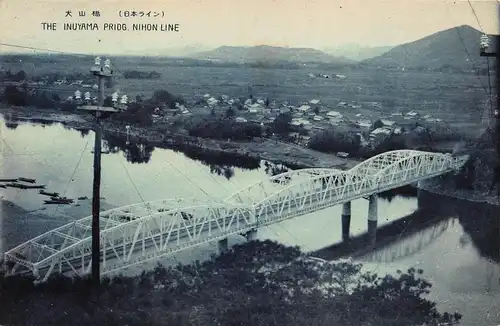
x=439 y=187
x=261 y=148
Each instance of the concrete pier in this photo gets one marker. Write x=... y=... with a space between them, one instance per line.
x=223 y=246
x=251 y=235
x=372 y=218
x=346 y=220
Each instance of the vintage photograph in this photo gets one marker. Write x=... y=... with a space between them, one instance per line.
x=266 y=162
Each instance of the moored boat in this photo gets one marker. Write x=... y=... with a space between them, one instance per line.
x=8 y=180
x=27 y=180
x=21 y=186
x=51 y=194
x=57 y=202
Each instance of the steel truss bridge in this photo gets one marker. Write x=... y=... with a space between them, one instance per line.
x=133 y=234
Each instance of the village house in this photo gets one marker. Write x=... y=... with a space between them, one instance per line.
x=304 y=108
x=364 y=123
x=380 y=132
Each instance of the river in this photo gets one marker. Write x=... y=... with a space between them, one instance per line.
x=457 y=246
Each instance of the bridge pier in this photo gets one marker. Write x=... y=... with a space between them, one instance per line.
x=346 y=220
x=223 y=246
x=372 y=218
x=251 y=235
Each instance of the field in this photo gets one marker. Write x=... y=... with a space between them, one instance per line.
x=458 y=99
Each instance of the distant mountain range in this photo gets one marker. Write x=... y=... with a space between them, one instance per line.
x=356 y=52
x=455 y=49
x=264 y=53
x=447 y=48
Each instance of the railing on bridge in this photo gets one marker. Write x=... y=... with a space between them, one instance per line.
x=137 y=233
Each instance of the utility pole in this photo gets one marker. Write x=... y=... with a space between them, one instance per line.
x=485 y=44
x=99 y=111
x=483 y=52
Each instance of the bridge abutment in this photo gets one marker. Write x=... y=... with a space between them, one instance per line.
x=223 y=246
x=346 y=220
x=372 y=218
x=251 y=235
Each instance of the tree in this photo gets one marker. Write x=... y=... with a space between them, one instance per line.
x=136 y=114
x=14 y=96
x=230 y=113
x=281 y=124
x=333 y=141
x=163 y=97
x=377 y=124
x=21 y=75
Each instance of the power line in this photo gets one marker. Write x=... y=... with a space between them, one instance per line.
x=187 y=178
x=73 y=174
x=487 y=59
x=475 y=15
x=143 y=201
x=470 y=60
x=52 y=50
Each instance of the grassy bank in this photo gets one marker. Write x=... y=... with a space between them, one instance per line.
x=448 y=188
x=258 y=283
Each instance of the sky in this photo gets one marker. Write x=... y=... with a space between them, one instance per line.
x=212 y=23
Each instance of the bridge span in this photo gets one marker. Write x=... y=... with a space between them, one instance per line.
x=134 y=234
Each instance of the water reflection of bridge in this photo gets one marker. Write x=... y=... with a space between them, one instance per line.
x=399 y=239
x=408 y=244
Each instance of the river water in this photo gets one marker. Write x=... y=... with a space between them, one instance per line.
x=457 y=246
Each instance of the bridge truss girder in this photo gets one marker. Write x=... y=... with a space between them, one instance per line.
x=136 y=233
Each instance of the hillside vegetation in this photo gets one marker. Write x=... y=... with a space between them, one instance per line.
x=442 y=50
x=258 y=283
x=268 y=54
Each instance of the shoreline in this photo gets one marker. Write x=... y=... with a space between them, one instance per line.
x=438 y=189
x=260 y=149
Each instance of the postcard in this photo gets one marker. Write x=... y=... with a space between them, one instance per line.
x=266 y=162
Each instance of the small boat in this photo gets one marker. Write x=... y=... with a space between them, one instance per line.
x=16 y=185
x=82 y=198
x=36 y=187
x=27 y=180
x=57 y=202
x=51 y=194
x=21 y=186
x=3 y=186
x=60 y=198
x=8 y=180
